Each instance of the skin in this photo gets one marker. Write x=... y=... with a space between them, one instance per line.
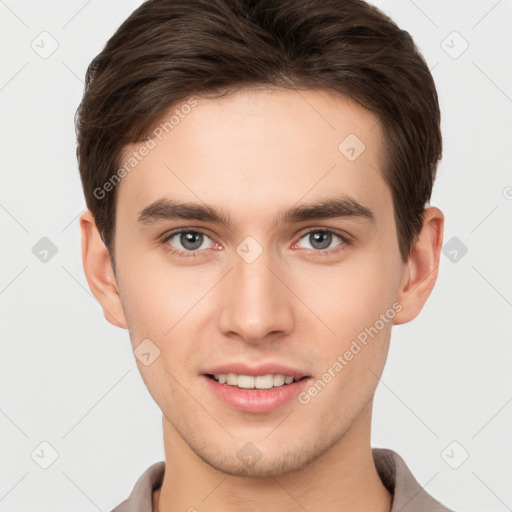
x=253 y=154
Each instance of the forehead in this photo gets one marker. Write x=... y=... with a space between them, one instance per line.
x=259 y=150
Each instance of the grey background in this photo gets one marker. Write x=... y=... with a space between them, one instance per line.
x=68 y=378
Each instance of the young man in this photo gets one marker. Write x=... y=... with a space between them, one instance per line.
x=257 y=176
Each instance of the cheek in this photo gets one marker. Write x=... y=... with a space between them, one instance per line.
x=350 y=296
x=159 y=299
x=351 y=301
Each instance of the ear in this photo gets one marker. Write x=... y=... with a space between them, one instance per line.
x=420 y=273
x=99 y=273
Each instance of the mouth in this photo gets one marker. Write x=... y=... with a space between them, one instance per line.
x=254 y=393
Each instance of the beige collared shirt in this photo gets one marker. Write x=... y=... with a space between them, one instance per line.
x=408 y=495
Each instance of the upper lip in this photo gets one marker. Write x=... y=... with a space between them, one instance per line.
x=262 y=369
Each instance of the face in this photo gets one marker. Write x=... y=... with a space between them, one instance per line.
x=313 y=292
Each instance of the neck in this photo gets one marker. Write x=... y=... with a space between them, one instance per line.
x=343 y=478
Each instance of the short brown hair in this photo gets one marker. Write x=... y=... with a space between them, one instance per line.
x=169 y=50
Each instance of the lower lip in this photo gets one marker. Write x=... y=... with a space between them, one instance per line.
x=256 y=400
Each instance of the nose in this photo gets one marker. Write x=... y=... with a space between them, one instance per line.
x=255 y=305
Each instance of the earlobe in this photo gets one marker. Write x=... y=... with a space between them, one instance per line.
x=420 y=273
x=99 y=273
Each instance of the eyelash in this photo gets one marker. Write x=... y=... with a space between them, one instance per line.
x=192 y=254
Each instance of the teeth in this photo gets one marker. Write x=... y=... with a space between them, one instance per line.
x=251 y=382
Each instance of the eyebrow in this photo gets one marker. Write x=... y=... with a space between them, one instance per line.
x=340 y=207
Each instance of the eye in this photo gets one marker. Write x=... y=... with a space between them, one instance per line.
x=188 y=241
x=320 y=240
